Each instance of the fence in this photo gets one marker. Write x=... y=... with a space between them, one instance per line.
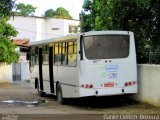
x=149 y=84
x=5 y=73
x=14 y=72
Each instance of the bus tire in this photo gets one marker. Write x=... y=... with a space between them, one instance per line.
x=59 y=94
x=40 y=93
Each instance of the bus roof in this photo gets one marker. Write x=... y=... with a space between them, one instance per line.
x=64 y=38
x=74 y=37
x=41 y=42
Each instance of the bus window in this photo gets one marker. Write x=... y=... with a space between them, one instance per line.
x=106 y=46
x=32 y=60
x=32 y=57
x=72 y=56
x=36 y=59
x=75 y=47
x=45 y=51
x=63 y=48
x=64 y=54
x=36 y=56
x=70 y=48
x=57 y=49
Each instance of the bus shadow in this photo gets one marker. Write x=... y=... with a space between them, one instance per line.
x=101 y=102
x=97 y=102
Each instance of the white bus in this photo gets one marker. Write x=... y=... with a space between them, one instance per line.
x=96 y=63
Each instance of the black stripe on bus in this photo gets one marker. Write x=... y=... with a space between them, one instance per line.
x=81 y=47
x=51 y=69
x=54 y=58
x=61 y=53
x=40 y=68
x=67 y=51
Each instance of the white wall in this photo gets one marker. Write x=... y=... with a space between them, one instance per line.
x=5 y=73
x=25 y=74
x=149 y=84
x=55 y=24
x=25 y=26
x=39 y=28
x=70 y=22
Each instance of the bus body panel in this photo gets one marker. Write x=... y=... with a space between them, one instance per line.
x=68 y=78
x=46 y=80
x=108 y=76
x=34 y=74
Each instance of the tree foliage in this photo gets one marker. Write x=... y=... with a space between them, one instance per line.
x=49 y=13
x=25 y=10
x=59 y=13
x=7 y=49
x=6 y=7
x=86 y=22
x=140 y=16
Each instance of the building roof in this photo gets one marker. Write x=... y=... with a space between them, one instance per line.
x=43 y=17
x=21 y=42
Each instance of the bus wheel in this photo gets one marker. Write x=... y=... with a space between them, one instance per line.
x=60 y=98
x=40 y=93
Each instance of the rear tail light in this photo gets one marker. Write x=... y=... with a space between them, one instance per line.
x=91 y=86
x=126 y=84
x=130 y=83
x=87 y=85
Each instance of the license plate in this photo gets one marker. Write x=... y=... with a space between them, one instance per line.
x=110 y=84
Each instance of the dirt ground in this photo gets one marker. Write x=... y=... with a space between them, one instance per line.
x=24 y=100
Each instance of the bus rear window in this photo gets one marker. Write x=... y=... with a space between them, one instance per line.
x=106 y=46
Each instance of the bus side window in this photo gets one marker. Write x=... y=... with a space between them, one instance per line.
x=36 y=59
x=57 y=56
x=72 y=54
x=32 y=60
x=45 y=51
x=64 y=54
x=32 y=57
x=36 y=56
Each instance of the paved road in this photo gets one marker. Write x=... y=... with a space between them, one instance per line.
x=24 y=102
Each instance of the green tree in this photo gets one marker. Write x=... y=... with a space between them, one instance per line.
x=49 y=13
x=86 y=22
x=62 y=13
x=6 y=7
x=140 y=16
x=59 y=13
x=7 y=49
x=25 y=10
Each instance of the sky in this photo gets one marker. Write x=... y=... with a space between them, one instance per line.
x=73 y=6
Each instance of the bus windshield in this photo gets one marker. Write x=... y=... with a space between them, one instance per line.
x=106 y=46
